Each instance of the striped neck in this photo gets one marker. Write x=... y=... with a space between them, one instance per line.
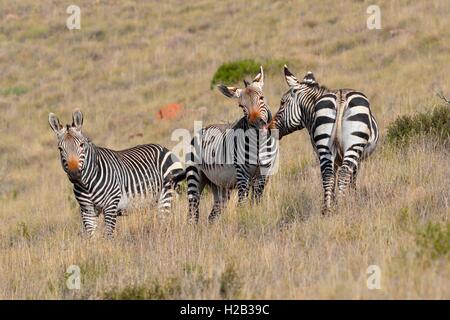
x=297 y=108
x=90 y=168
x=307 y=103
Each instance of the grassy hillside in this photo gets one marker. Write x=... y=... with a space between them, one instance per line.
x=129 y=59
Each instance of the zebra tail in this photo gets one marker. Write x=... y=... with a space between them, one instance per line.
x=336 y=133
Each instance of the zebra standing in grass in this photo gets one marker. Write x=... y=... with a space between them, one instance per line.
x=229 y=156
x=340 y=124
x=107 y=180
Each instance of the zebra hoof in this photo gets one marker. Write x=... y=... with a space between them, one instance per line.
x=327 y=212
x=109 y=236
x=212 y=219
x=193 y=220
x=87 y=235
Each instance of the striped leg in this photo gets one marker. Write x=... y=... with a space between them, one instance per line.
x=347 y=172
x=258 y=187
x=110 y=216
x=165 y=198
x=89 y=218
x=329 y=183
x=195 y=184
x=353 y=178
x=221 y=197
x=242 y=184
x=89 y=215
x=358 y=129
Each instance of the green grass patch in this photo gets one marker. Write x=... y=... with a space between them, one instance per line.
x=434 y=240
x=13 y=91
x=435 y=123
x=231 y=73
x=35 y=32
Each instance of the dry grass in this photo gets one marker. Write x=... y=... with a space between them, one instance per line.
x=129 y=59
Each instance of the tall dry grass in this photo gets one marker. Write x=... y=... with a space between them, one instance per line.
x=131 y=58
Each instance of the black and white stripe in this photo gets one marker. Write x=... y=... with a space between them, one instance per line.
x=230 y=156
x=341 y=126
x=107 y=181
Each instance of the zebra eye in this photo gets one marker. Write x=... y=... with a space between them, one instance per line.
x=82 y=145
x=60 y=149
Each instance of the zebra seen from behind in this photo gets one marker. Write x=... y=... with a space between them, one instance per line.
x=107 y=181
x=340 y=124
x=233 y=156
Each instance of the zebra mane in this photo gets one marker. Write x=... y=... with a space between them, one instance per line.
x=315 y=86
x=88 y=139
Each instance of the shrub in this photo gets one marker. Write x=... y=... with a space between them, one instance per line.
x=235 y=71
x=153 y=291
x=434 y=240
x=434 y=123
x=23 y=231
x=230 y=282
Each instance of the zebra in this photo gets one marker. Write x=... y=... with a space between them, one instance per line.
x=106 y=181
x=341 y=127
x=233 y=156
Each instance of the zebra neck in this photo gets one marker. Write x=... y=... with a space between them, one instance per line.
x=241 y=124
x=91 y=169
x=307 y=105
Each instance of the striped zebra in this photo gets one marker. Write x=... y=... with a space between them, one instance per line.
x=233 y=156
x=340 y=124
x=106 y=181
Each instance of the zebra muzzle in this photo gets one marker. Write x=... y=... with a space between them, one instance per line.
x=74 y=175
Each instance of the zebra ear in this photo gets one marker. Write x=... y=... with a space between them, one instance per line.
x=77 y=119
x=230 y=92
x=259 y=79
x=290 y=78
x=309 y=78
x=54 y=123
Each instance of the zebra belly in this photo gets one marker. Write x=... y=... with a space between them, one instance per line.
x=124 y=201
x=223 y=175
x=138 y=200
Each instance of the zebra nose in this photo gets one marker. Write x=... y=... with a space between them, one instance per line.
x=261 y=124
x=74 y=175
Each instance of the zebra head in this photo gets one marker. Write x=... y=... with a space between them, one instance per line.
x=71 y=144
x=297 y=103
x=251 y=100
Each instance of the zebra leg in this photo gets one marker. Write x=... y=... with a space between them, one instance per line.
x=89 y=217
x=221 y=196
x=353 y=178
x=89 y=213
x=329 y=183
x=165 y=198
x=195 y=184
x=258 y=188
x=110 y=216
x=346 y=176
x=242 y=184
x=349 y=169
